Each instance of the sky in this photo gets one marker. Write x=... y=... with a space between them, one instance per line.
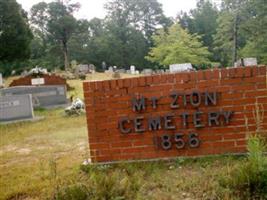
x=94 y=8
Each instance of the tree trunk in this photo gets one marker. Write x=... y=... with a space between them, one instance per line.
x=66 y=58
x=235 y=40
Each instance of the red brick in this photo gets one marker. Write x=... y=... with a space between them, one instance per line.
x=262 y=70
x=238 y=91
x=247 y=72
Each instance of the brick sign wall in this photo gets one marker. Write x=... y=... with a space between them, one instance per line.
x=172 y=115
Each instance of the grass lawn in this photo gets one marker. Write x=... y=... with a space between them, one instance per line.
x=42 y=160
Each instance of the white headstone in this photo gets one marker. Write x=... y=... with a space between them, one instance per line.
x=132 y=69
x=110 y=70
x=181 y=67
x=1 y=80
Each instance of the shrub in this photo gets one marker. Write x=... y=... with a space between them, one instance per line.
x=249 y=179
x=73 y=192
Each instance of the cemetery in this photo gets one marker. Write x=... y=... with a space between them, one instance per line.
x=136 y=104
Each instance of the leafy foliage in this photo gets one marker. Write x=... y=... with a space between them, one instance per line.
x=203 y=21
x=177 y=46
x=15 y=34
x=131 y=30
x=249 y=179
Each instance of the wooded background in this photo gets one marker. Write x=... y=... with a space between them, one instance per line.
x=134 y=32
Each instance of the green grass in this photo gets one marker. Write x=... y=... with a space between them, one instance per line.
x=42 y=160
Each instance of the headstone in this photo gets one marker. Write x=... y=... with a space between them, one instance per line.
x=82 y=69
x=42 y=96
x=122 y=71
x=24 y=73
x=16 y=107
x=132 y=69
x=246 y=62
x=92 y=68
x=104 y=66
x=1 y=81
x=110 y=69
x=147 y=71
x=128 y=71
x=181 y=67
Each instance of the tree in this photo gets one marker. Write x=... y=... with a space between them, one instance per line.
x=144 y=15
x=15 y=34
x=202 y=21
x=54 y=24
x=129 y=25
x=229 y=37
x=255 y=31
x=177 y=46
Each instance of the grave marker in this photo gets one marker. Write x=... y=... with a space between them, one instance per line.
x=181 y=67
x=1 y=81
x=42 y=96
x=16 y=107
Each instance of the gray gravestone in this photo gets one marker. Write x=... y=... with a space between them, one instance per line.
x=16 y=107
x=1 y=81
x=42 y=96
x=122 y=71
x=83 y=69
x=110 y=70
x=181 y=67
x=147 y=71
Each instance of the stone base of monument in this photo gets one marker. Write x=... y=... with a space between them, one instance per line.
x=35 y=119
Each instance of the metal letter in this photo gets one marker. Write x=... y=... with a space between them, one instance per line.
x=138 y=124
x=168 y=122
x=227 y=115
x=197 y=120
x=210 y=98
x=174 y=103
x=184 y=100
x=154 y=102
x=154 y=123
x=138 y=104
x=185 y=119
x=195 y=102
x=122 y=123
x=214 y=117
